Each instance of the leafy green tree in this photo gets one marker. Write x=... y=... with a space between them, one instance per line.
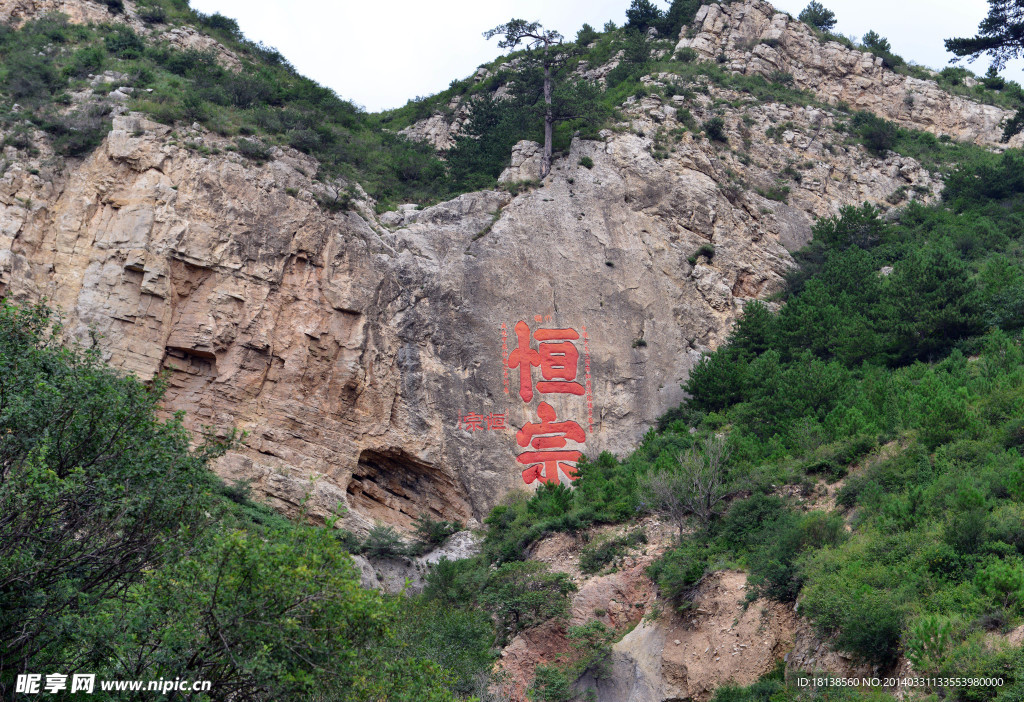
x=434 y=531
x=273 y=616
x=872 y=625
x=854 y=226
x=717 y=381
x=679 y=13
x=642 y=15
x=522 y=594
x=482 y=149
x=122 y=554
x=586 y=35
x=1000 y=34
x=93 y=487
x=929 y=303
x=459 y=638
x=929 y=640
x=636 y=53
x=818 y=16
x=878 y=135
x=539 y=96
x=1003 y=582
x=879 y=46
x=384 y=542
x=876 y=42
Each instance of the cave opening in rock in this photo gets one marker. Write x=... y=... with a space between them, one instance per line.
x=391 y=486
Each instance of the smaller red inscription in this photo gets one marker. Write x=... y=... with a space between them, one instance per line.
x=473 y=422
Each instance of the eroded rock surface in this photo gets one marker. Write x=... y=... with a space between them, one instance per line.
x=688 y=656
x=755 y=38
x=350 y=350
x=660 y=655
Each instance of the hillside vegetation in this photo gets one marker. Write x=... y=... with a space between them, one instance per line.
x=890 y=373
x=894 y=371
x=46 y=87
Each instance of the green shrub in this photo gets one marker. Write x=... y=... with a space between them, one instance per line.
x=778 y=192
x=878 y=135
x=715 y=129
x=434 y=531
x=457 y=638
x=124 y=43
x=79 y=132
x=871 y=628
x=1003 y=582
x=220 y=24
x=253 y=149
x=586 y=35
x=678 y=573
x=992 y=79
x=550 y=684
x=29 y=76
x=85 y=61
x=383 y=541
x=953 y=75
x=879 y=46
x=705 y=250
x=154 y=14
x=686 y=55
x=523 y=594
x=599 y=553
x=928 y=643
x=817 y=16
x=586 y=162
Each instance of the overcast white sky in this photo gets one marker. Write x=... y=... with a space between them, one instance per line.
x=380 y=54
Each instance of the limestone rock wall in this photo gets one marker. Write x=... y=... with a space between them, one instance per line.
x=757 y=39
x=351 y=347
x=17 y=12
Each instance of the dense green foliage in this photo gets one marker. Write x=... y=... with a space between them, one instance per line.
x=926 y=360
x=267 y=101
x=519 y=594
x=643 y=15
x=818 y=16
x=121 y=554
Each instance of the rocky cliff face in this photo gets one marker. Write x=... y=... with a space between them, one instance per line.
x=367 y=356
x=754 y=38
x=352 y=348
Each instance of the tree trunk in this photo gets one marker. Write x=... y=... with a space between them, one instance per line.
x=549 y=120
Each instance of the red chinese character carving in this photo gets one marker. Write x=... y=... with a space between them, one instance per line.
x=544 y=465
x=496 y=421
x=556 y=356
x=473 y=422
x=548 y=433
